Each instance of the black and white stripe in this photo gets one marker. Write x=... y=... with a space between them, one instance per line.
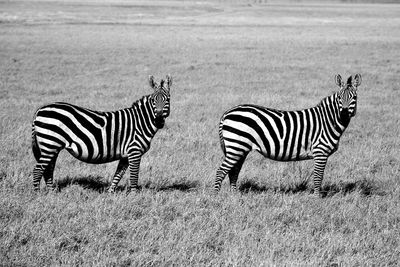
x=99 y=137
x=312 y=133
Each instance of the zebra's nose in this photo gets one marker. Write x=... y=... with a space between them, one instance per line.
x=344 y=107
x=158 y=113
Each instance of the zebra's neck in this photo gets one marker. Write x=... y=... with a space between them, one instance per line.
x=144 y=109
x=330 y=111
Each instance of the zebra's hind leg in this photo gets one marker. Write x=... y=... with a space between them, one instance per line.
x=234 y=173
x=38 y=172
x=226 y=167
x=37 y=175
x=122 y=166
x=48 y=173
x=220 y=176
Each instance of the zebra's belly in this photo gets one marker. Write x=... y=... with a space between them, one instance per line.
x=302 y=154
x=305 y=154
x=95 y=158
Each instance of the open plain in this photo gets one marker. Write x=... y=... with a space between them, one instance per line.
x=98 y=54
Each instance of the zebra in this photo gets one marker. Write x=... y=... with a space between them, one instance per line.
x=311 y=133
x=99 y=137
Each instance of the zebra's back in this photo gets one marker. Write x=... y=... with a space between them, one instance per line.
x=278 y=135
x=90 y=136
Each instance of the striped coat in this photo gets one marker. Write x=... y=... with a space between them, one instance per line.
x=312 y=133
x=99 y=137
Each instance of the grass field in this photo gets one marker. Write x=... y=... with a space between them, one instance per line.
x=220 y=53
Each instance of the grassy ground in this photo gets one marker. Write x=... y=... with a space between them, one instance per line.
x=99 y=55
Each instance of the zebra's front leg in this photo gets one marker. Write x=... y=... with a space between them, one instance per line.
x=319 y=168
x=122 y=166
x=134 y=164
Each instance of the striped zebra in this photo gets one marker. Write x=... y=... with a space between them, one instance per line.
x=99 y=137
x=312 y=133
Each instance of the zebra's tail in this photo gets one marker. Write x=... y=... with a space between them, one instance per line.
x=35 y=146
x=221 y=138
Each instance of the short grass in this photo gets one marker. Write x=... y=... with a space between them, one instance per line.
x=220 y=53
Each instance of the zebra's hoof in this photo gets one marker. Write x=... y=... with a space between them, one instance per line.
x=51 y=188
x=111 y=190
x=132 y=189
x=317 y=195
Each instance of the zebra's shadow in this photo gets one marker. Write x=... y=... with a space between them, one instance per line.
x=184 y=186
x=293 y=188
x=364 y=187
x=97 y=183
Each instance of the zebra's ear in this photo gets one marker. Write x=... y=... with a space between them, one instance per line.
x=169 y=81
x=357 y=80
x=152 y=83
x=338 y=80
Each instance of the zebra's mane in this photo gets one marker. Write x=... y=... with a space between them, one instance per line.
x=143 y=99
x=326 y=99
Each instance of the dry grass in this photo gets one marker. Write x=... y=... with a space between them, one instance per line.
x=99 y=54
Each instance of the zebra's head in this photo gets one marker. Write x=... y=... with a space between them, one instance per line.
x=347 y=96
x=160 y=100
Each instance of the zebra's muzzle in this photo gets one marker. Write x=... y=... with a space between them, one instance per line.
x=345 y=116
x=159 y=122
